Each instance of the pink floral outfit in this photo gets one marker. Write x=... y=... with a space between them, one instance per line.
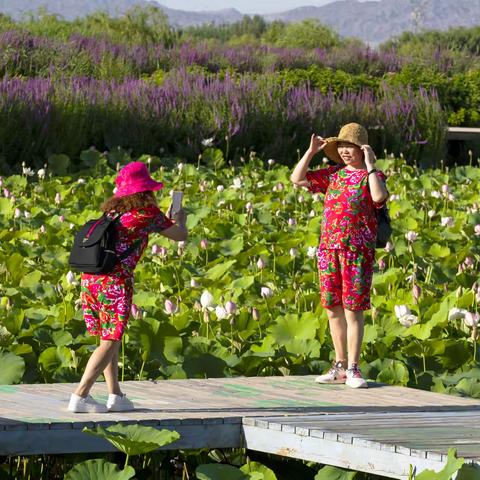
x=107 y=299
x=348 y=235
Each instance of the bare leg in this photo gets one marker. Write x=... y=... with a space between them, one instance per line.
x=111 y=373
x=355 y=328
x=338 y=330
x=99 y=360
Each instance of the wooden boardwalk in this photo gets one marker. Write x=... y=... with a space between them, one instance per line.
x=383 y=429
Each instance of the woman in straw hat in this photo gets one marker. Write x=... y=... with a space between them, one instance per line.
x=107 y=298
x=353 y=189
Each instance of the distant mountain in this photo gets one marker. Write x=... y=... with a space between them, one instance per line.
x=376 y=22
x=372 y=21
x=70 y=9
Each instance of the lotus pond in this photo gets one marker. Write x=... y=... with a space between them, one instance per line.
x=240 y=297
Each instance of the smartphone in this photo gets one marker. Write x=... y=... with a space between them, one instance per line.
x=176 y=202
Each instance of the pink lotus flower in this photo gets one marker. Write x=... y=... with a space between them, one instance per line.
x=416 y=292
x=260 y=263
x=266 y=292
x=204 y=244
x=136 y=312
x=6 y=193
x=255 y=314
x=170 y=307
x=477 y=229
x=292 y=222
x=447 y=222
x=61 y=218
x=471 y=319
x=389 y=247
x=231 y=307
x=381 y=264
x=411 y=236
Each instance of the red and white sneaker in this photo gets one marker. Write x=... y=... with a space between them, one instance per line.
x=354 y=377
x=336 y=374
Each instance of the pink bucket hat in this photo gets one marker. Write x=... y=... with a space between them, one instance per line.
x=135 y=178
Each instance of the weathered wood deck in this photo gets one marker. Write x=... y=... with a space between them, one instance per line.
x=463 y=133
x=383 y=429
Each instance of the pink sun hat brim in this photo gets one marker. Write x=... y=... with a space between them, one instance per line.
x=135 y=178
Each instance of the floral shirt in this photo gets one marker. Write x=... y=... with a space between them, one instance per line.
x=133 y=228
x=349 y=217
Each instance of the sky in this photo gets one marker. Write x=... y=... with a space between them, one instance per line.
x=244 y=6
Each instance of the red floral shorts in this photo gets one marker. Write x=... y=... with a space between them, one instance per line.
x=345 y=278
x=106 y=304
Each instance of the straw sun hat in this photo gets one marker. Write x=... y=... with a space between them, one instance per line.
x=351 y=133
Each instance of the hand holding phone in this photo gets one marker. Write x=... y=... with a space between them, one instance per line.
x=176 y=203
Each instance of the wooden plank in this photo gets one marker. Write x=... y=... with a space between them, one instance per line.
x=463 y=133
x=75 y=441
x=364 y=459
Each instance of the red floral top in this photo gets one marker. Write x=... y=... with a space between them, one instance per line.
x=133 y=228
x=349 y=218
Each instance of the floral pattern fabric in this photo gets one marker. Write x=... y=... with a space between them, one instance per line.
x=107 y=298
x=349 y=216
x=345 y=278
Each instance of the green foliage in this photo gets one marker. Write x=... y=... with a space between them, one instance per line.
x=257 y=471
x=217 y=471
x=334 y=473
x=453 y=465
x=13 y=367
x=99 y=469
x=134 y=439
x=308 y=34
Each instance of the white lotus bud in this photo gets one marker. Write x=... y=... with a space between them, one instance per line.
x=206 y=299
x=220 y=312
x=401 y=310
x=266 y=292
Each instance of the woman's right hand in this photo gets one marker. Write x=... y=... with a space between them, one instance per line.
x=180 y=217
x=317 y=143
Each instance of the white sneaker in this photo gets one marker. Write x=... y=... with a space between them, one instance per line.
x=354 y=378
x=336 y=374
x=86 y=404
x=119 y=403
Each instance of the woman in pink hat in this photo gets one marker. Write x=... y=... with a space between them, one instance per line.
x=107 y=298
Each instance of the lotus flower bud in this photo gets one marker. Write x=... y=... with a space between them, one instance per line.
x=170 y=307
x=266 y=292
x=271 y=161
x=17 y=213
x=249 y=207
x=301 y=199
x=416 y=292
x=42 y=229
x=447 y=222
x=6 y=193
x=456 y=314
x=311 y=252
x=71 y=279
x=220 y=188
x=401 y=310
x=411 y=236
x=231 y=307
x=197 y=306
x=280 y=186
x=260 y=263
x=292 y=222
x=206 y=299
x=41 y=173
x=58 y=198
x=293 y=252
x=204 y=244
x=61 y=218
x=431 y=213
x=255 y=314
x=477 y=229
x=445 y=189
x=155 y=249
x=471 y=319
x=408 y=320
x=381 y=264
x=193 y=283
x=220 y=312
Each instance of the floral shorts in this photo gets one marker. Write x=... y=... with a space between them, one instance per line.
x=345 y=278
x=106 y=304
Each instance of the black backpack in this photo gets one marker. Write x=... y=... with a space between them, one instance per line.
x=384 y=227
x=93 y=248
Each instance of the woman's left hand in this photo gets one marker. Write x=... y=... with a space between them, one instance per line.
x=370 y=157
